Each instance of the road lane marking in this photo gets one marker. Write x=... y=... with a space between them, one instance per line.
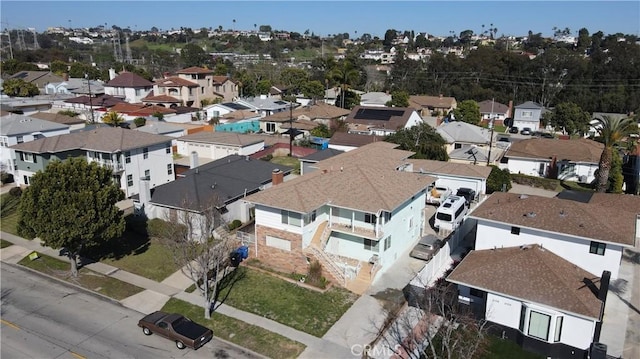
x=10 y=324
x=77 y=355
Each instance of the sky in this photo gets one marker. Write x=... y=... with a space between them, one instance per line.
x=440 y=18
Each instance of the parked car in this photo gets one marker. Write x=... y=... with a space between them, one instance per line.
x=543 y=134
x=513 y=129
x=427 y=247
x=176 y=327
x=468 y=194
x=437 y=194
x=526 y=131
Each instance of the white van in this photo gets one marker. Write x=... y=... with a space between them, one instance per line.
x=450 y=213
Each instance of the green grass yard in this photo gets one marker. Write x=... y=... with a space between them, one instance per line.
x=151 y=259
x=9 y=213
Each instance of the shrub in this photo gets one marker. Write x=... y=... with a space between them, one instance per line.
x=236 y=223
x=155 y=227
x=497 y=179
x=15 y=192
x=137 y=224
x=69 y=113
x=6 y=178
x=159 y=116
x=314 y=276
x=139 y=121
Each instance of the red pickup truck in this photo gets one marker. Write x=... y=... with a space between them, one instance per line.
x=183 y=331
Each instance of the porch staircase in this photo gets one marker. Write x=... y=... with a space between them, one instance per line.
x=328 y=263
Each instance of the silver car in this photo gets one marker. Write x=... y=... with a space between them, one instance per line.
x=427 y=247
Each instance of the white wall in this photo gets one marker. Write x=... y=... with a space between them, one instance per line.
x=575 y=250
x=529 y=167
x=156 y=163
x=271 y=217
x=577 y=332
x=216 y=151
x=503 y=310
x=453 y=183
x=7 y=155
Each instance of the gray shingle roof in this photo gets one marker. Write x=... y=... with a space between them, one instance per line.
x=225 y=138
x=531 y=274
x=101 y=139
x=13 y=125
x=458 y=131
x=578 y=150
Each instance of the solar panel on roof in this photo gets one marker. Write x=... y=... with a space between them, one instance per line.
x=235 y=106
x=376 y=114
x=21 y=75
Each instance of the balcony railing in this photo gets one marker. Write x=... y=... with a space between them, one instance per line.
x=364 y=232
x=114 y=166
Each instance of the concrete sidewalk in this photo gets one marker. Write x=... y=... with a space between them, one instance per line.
x=156 y=294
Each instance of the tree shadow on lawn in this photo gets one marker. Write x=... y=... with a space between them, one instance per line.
x=135 y=240
x=227 y=283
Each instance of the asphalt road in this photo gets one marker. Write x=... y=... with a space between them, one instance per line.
x=42 y=318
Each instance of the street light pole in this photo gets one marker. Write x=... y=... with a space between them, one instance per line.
x=491 y=136
x=93 y=120
x=290 y=129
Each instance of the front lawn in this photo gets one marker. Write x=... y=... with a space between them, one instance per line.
x=5 y=244
x=507 y=349
x=97 y=282
x=284 y=302
x=9 y=213
x=293 y=162
x=150 y=259
x=249 y=336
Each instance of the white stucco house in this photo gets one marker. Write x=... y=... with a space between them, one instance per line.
x=528 y=114
x=130 y=154
x=216 y=145
x=569 y=160
x=381 y=121
x=128 y=86
x=16 y=129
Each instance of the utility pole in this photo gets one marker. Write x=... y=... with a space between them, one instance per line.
x=491 y=119
x=93 y=120
x=291 y=132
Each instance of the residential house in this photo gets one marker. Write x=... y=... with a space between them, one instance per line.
x=528 y=114
x=216 y=145
x=221 y=183
x=218 y=110
x=591 y=234
x=130 y=154
x=533 y=296
x=264 y=105
x=381 y=121
x=128 y=86
x=594 y=125
x=304 y=117
x=355 y=215
x=130 y=111
x=17 y=129
x=308 y=163
x=209 y=85
x=75 y=86
x=433 y=105
x=74 y=123
x=492 y=110
x=25 y=106
x=163 y=128
x=240 y=121
x=345 y=141
x=38 y=78
x=569 y=160
x=85 y=104
x=175 y=90
x=375 y=99
x=458 y=134
x=452 y=175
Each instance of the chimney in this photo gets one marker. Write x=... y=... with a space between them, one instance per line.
x=145 y=192
x=65 y=77
x=193 y=160
x=112 y=74
x=277 y=177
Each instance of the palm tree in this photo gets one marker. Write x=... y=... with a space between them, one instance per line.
x=112 y=118
x=610 y=131
x=346 y=74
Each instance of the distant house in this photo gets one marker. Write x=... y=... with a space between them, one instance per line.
x=208 y=86
x=344 y=141
x=38 y=78
x=220 y=184
x=381 y=121
x=240 y=121
x=128 y=86
x=74 y=123
x=570 y=160
x=528 y=114
x=433 y=105
x=17 y=129
x=25 y=106
x=75 y=86
x=375 y=99
x=130 y=154
x=535 y=297
x=218 y=110
x=264 y=105
x=308 y=163
x=216 y=145
x=494 y=110
x=305 y=117
x=174 y=90
x=458 y=134
x=452 y=175
x=594 y=125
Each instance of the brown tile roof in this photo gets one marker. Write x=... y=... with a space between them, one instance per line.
x=140 y=109
x=450 y=168
x=578 y=150
x=195 y=70
x=102 y=139
x=162 y=99
x=390 y=118
x=319 y=111
x=129 y=79
x=420 y=102
x=240 y=115
x=606 y=217
x=175 y=81
x=227 y=138
x=353 y=139
x=356 y=186
x=58 y=118
x=301 y=125
x=376 y=154
x=101 y=101
x=530 y=273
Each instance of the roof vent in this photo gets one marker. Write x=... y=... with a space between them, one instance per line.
x=563 y=213
x=531 y=214
x=525 y=247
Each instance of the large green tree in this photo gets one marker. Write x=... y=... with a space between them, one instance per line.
x=468 y=111
x=346 y=74
x=421 y=139
x=313 y=90
x=610 y=131
x=398 y=99
x=193 y=55
x=71 y=205
x=569 y=118
x=112 y=118
x=18 y=87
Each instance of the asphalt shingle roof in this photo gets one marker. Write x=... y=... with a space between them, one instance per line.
x=578 y=150
x=225 y=138
x=530 y=273
x=450 y=168
x=458 y=131
x=129 y=79
x=13 y=125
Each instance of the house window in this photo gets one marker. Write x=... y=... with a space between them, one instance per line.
x=558 y=331
x=387 y=243
x=539 y=325
x=4 y=142
x=129 y=180
x=202 y=89
x=127 y=157
x=527 y=114
x=309 y=218
x=369 y=218
x=28 y=157
x=147 y=174
x=476 y=293
x=25 y=179
x=597 y=248
x=457 y=146
x=515 y=230
x=291 y=218
x=145 y=153
x=169 y=169
x=168 y=149
x=20 y=139
x=271 y=127
x=368 y=244
x=37 y=136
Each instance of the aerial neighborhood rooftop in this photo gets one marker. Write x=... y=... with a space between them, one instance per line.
x=332 y=175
